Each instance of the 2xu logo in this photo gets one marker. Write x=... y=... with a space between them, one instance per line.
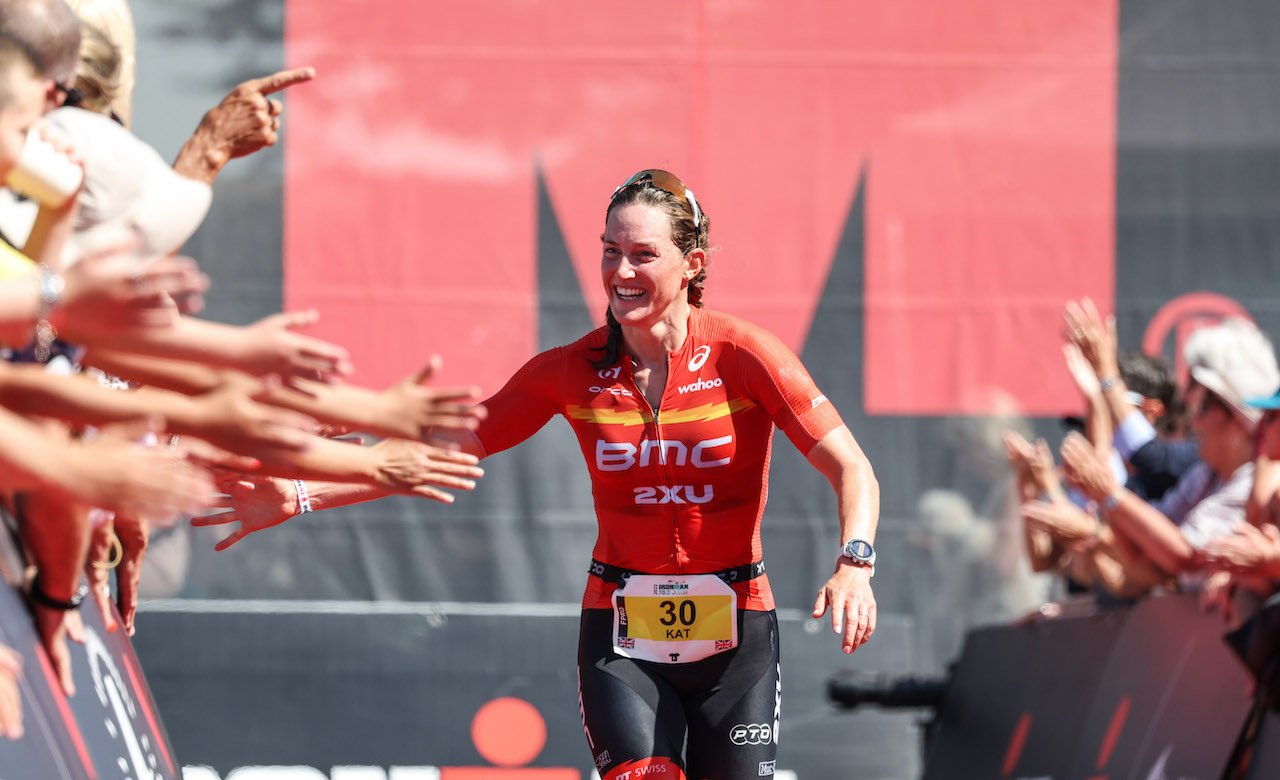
x=751 y=734
x=661 y=494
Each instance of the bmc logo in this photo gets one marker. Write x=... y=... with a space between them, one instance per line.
x=751 y=734
x=610 y=390
x=766 y=768
x=701 y=384
x=671 y=495
x=622 y=455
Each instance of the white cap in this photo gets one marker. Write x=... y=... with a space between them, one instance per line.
x=1242 y=381
x=129 y=190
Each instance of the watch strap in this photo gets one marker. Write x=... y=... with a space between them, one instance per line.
x=39 y=596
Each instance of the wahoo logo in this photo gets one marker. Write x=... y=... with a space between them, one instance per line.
x=701 y=384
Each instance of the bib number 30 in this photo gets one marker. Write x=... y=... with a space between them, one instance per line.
x=674 y=619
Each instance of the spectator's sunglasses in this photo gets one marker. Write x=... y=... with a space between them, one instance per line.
x=1209 y=402
x=668 y=183
x=74 y=97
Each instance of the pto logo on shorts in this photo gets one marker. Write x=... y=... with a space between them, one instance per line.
x=751 y=734
x=766 y=768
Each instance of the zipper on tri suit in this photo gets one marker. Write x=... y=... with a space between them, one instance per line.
x=662 y=451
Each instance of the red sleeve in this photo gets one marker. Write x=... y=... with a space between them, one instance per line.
x=778 y=380
x=524 y=404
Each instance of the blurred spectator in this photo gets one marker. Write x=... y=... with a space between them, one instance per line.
x=1209 y=500
x=1134 y=396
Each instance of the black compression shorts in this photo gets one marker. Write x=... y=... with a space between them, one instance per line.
x=636 y=711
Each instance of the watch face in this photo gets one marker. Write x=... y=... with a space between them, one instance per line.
x=857 y=548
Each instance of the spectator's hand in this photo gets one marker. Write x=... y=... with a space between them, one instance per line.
x=52 y=628
x=1033 y=466
x=1019 y=451
x=1219 y=590
x=1081 y=371
x=111 y=293
x=270 y=346
x=245 y=121
x=1085 y=469
x=1249 y=550
x=103 y=552
x=134 y=532
x=412 y=468
x=239 y=421
x=853 y=606
x=216 y=460
x=412 y=409
x=153 y=482
x=1062 y=520
x=256 y=503
x=10 y=693
x=1095 y=338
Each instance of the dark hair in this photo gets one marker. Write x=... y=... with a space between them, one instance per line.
x=684 y=234
x=1151 y=377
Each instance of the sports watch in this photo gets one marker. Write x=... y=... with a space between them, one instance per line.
x=860 y=553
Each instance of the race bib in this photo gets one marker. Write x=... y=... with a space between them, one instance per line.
x=674 y=619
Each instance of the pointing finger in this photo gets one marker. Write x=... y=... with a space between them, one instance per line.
x=278 y=81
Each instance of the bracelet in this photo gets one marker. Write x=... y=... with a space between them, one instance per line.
x=1112 y=501
x=117 y=554
x=50 y=286
x=1108 y=382
x=304 y=500
x=38 y=595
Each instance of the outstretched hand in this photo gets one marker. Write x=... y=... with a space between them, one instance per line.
x=413 y=409
x=272 y=347
x=255 y=503
x=418 y=469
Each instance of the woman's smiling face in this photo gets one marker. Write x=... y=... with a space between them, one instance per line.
x=644 y=272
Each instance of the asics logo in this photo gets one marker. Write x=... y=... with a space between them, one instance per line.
x=699 y=358
x=701 y=384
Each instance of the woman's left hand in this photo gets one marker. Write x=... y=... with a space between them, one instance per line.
x=848 y=595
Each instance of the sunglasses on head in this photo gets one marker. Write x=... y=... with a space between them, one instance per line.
x=668 y=183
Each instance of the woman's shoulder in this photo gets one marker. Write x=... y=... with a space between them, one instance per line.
x=587 y=348
x=722 y=326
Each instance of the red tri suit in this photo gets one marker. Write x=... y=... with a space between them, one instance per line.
x=680 y=489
